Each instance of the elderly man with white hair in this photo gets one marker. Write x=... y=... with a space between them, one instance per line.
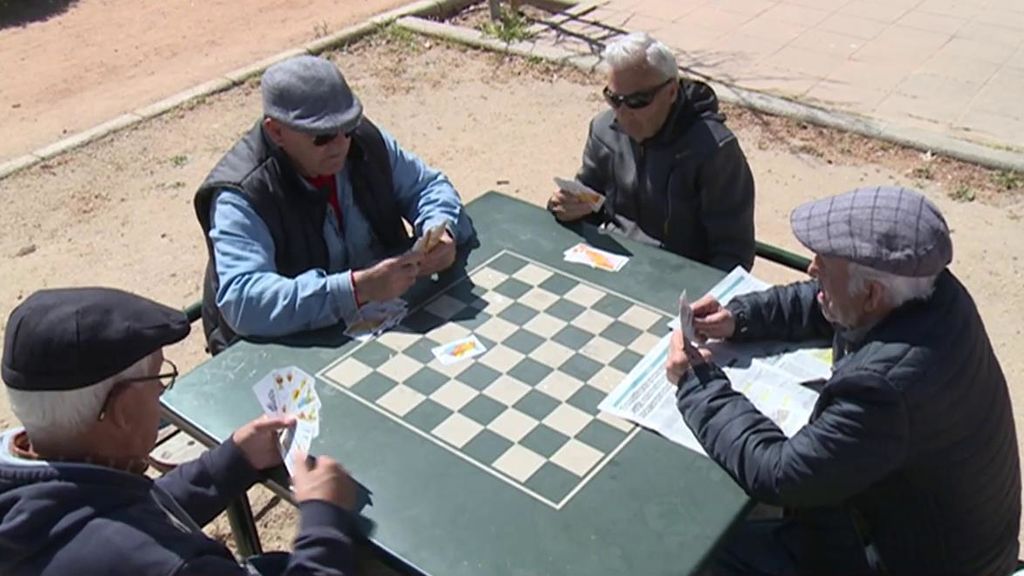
x=84 y=370
x=673 y=175
x=909 y=463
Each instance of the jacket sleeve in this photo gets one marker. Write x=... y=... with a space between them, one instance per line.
x=859 y=436
x=726 y=188
x=205 y=486
x=789 y=313
x=594 y=171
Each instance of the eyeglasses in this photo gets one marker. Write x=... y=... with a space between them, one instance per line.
x=321 y=140
x=166 y=379
x=636 y=100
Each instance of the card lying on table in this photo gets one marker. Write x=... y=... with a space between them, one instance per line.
x=290 y=391
x=458 y=350
x=583 y=253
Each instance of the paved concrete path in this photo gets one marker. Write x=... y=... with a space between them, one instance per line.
x=954 y=67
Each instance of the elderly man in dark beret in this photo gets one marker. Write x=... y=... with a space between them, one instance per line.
x=305 y=217
x=909 y=462
x=84 y=370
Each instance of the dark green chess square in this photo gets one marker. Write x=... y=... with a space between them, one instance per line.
x=422 y=322
x=558 y=284
x=482 y=409
x=486 y=447
x=587 y=398
x=580 y=367
x=529 y=371
x=544 y=440
x=470 y=318
x=426 y=381
x=565 y=310
x=507 y=263
x=373 y=386
x=536 y=404
x=487 y=342
x=625 y=361
x=373 y=354
x=517 y=313
x=523 y=341
x=572 y=337
x=602 y=436
x=427 y=415
x=512 y=288
x=552 y=482
x=612 y=305
x=478 y=376
x=464 y=291
x=420 y=350
x=621 y=333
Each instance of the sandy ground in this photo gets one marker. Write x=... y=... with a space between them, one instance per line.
x=119 y=212
x=101 y=58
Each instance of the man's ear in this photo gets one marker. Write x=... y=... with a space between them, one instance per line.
x=273 y=128
x=119 y=407
x=875 y=298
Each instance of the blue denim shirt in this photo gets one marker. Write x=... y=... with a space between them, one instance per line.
x=257 y=301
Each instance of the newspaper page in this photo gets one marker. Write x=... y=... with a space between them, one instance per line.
x=769 y=374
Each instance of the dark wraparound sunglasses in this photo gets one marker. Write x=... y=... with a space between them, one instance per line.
x=166 y=379
x=636 y=100
x=321 y=140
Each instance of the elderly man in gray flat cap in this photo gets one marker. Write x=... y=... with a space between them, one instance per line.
x=305 y=217
x=909 y=463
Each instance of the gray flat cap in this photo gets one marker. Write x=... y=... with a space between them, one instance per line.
x=887 y=228
x=309 y=94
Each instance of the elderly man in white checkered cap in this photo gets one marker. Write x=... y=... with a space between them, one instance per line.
x=909 y=463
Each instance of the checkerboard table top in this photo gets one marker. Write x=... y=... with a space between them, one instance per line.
x=526 y=410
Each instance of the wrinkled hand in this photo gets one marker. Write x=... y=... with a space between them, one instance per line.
x=258 y=440
x=388 y=278
x=441 y=257
x=681 y=357
x=323 y=479
x=567 y=207
x=712 y=320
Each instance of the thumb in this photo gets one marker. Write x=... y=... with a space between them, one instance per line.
x=268 y=423
x=706 y=305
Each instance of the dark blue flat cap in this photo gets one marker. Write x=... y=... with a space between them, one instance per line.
x=309 y=94
x=71 y=338
x=887 y=228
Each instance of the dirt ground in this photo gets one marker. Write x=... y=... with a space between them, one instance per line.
x=130 y=53
x=119 y=211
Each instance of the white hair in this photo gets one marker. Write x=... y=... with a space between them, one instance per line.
x=898 y=289
x=53 y=417
x=640 y=49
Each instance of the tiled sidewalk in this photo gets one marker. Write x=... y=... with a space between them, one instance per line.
x=955 y=67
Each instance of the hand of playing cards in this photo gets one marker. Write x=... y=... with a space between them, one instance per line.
x=290 y=391
x=584 y=253
x=686 y=326
x=581 y=192
x=431 y=238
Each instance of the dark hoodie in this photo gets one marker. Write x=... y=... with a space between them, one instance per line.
x=59 y=519
x=687 y=189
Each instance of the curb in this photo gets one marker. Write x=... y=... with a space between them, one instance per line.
x=777 y=106
x=226 y=82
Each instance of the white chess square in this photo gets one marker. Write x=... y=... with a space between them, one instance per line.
x=399 y=367
x=447 y=332
x=449 y=370
x=615 y=421
x=544 y=325
x=576 y=457
x=488 y=278
x=519 y=462
x=559 y=385
x=453 y=395
x=584 y=295
x=592 y=321
x=401 y=399
x=457 y=430
x=501 y=358
x=567 y=419
x=349 y=372
x=551 y=354
x=398 y=339
x=601 y=349
x=640 y=317
x=538 y=298
x=606 y=379
x=496 y=329
x=445 y=306
x=506 y=390
x=495 y=302
x=512 y=425
x=532 y=274
x=643 y=343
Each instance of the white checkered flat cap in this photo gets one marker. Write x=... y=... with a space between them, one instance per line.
x=887 y=228
x=309 y=94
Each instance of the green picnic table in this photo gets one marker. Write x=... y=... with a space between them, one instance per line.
x=501 y=463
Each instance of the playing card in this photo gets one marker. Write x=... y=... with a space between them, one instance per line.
x=375 y=318
x=581 y=192
x=583 y=253
x=686 y=317
x=431 y=237
x=297 y=438
x=458 y=350
x=267 y=394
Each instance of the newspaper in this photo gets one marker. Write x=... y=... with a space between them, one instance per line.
x=769 y=374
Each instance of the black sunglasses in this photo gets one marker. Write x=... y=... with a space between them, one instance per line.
x=166 y=380
x=321 y=140
x=636 y=100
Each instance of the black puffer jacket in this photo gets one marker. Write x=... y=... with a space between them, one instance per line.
x=688 y=188
x=913 y=433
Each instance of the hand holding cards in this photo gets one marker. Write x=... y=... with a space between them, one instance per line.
x=290 y=391
x=375 y=318
x=581 y=193
x=430 y=239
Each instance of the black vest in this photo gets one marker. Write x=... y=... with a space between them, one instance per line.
x=294 y=214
